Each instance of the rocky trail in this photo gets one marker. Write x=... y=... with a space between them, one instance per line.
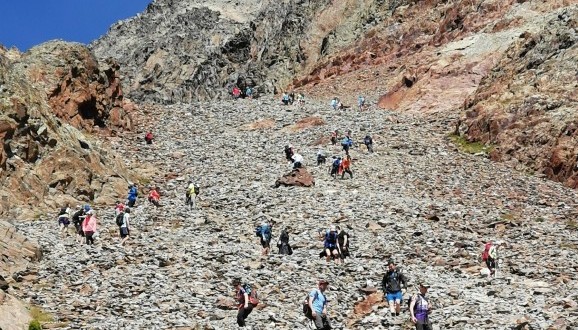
x=417 y=199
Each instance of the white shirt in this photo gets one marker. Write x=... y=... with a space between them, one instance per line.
x=297 y=158
x=125 y=218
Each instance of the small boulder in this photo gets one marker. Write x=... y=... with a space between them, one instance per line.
x=297 y=177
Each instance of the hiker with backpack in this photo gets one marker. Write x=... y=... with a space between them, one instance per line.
x=289 y=153
x=122 y=221
x=330 y=246
x=249 y=92
x=342 y=243
x=155 y=196
x=361 y=102
x=285 y=98
x=297 y=161
x=335 y=166
x=419 y=308
x=149 y=138
x=132 y=194
x=236 y=92
x=490 y=256
x=316 y=307
x=368 y=141
x=247 y=298
x=346 y=143
x=64 y=220
x=334 y=103
x=264 y=232
x=346 y=167
x=391 y=283
x=191 y=194
x=283 y=243
x=77 y=219
x=321 y=157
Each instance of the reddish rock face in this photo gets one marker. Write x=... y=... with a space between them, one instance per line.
x=298 y=177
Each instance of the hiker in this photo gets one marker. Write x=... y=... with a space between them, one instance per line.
x=249 y=92
x=283 y=243
x=391 y=283
x=300 y=99
x=419 y=308
x=149 y=138
x=118 y=208
x=297 y=161
x=132 y=195
x=346 y=143
x=345 y=167
x=191 y=194
x=124 y=226
x=64 y=220
x=285 y=98
x=334 y=137
x=77 y=219
x=89 y=227
x=321 y=157
x=244 y=299
x=368 y=141
x=289 y=153
x=264 y=233
x=236 y=92
x=360 y=102
x=342 y=243
x=155 y=196
x=335 y=166
x=318 y=305
x=330 y=246
x=490 y=256
x=334 y=102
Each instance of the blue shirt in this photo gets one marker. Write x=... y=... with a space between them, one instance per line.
x=319 y=301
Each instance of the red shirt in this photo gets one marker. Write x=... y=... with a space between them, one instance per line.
x=154 y=195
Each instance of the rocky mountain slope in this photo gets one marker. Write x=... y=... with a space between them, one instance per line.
x=50 y=97
x=417 y=199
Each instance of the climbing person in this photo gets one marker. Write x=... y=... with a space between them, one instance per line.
x=64 y=220
x=77 y=219
x=342 y=243
x=318 y=305
x=392 y=284
x=289 y=152
x=285 y=98
x=321 y=157
x=361 y=102
x=346 y=143
x=264 y=232
x=346 y=167
x=191 y=194
x=124 y=226
x=490 y=256
x=236 y=92
x=368 y=141
x=297 y=161
x=283 y=243
x=132 y=195
x=334 y=137
x=249 y=92
x=155 y=196
x=118 y=208
x=300 y=99
x=149 y=137
x=335 y=166
x=89 y=227
x=334 y=102
x=330 y=246
x=419 y=308
x=245 y=296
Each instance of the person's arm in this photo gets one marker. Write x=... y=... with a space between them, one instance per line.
x=311 y=298
x=345 y=239
x=411 y=307
x=324 y=312
x=403 y=280
x=246 y=296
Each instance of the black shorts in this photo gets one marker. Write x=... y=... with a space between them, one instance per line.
x=123 y=232
x=265 y=244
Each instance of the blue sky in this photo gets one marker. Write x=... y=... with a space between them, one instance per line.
x=27 y=23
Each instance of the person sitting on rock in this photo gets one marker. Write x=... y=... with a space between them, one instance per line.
x=330 y=246
x=368 y=141
x=321 y=157
x=64 y=220
x=155 y=196
x=297 y=161
x=149 y=138
x=285 y=98
x=89 y=227
x=132 y=194
x=342 y=243
x=391 y=283
x=490 y=256
x=125 y=226
x=346 y=167
x=283 y=243
x=289 y=153
x=236 y=92
x=335 y=165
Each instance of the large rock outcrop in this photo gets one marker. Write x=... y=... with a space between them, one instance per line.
x=45 y=95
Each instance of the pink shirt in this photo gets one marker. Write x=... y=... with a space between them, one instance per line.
x=89 y=224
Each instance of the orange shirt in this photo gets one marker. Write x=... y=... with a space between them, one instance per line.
x=154 y=195
x=346 y=163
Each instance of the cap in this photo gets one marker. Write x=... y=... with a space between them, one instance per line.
x=323 y=281
x=424 y=283
x=332 y=228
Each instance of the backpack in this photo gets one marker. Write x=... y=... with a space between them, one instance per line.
x=336 y=162
x=252 y=293
x=258 y=231
x=266 y=233
x=486 y=253
x=120 y=219
x=306 y=309
x=196 y=189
